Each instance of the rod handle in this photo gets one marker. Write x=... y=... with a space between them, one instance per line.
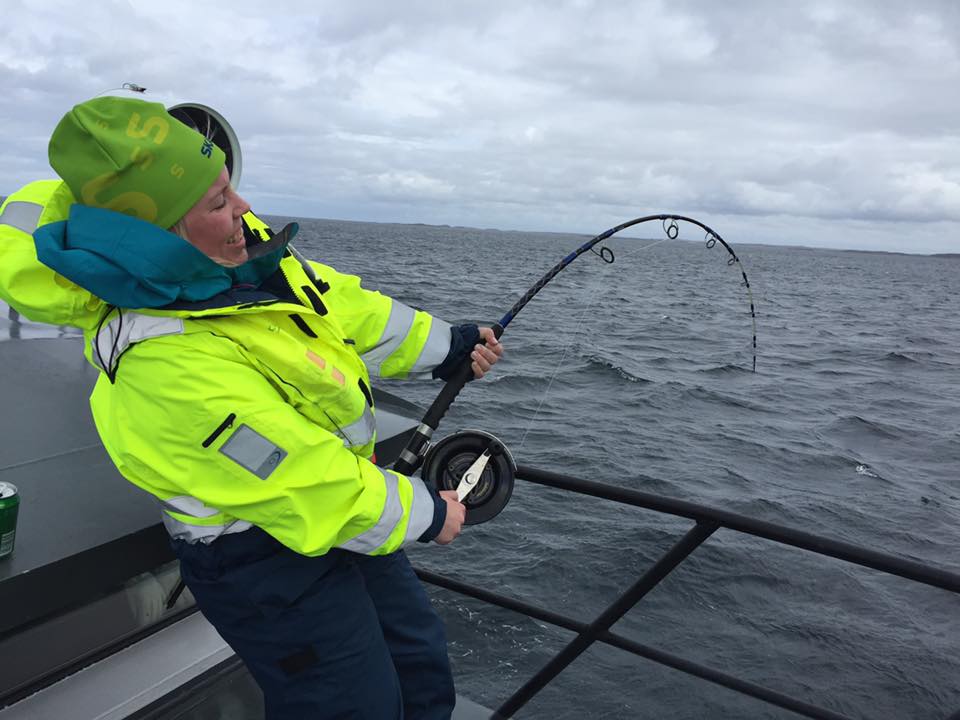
x=453 y=387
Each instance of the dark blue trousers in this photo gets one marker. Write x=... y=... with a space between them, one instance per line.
x=337 y=636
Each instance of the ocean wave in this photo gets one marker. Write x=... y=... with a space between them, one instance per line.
x=727 y=369
x=767 y=508
x=858 y=426
x=924 y=340
x=515 y=381
x=595 y=361
x=896 y=357
x=836 y=373
x=796 y=454
x=699 y=392
x=732 y=474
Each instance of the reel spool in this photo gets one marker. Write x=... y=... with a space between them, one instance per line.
x=447 y=461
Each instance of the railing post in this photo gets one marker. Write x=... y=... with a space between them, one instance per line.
x=673 y=557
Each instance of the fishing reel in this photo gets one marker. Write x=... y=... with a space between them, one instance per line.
x=446 y=465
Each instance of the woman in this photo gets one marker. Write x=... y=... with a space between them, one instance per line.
x=234 y=387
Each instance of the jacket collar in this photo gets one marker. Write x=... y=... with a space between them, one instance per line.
x=133 y=264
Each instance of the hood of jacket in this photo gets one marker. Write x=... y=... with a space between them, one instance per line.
x=131 y=263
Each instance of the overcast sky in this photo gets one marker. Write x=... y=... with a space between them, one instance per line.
x=814 y=123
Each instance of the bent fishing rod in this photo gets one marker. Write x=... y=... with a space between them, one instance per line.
x=413 y=455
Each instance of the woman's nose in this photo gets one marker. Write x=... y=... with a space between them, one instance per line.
x=243 y=207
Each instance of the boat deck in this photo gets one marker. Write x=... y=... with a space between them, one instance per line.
x=183 y=672
x=90 y=578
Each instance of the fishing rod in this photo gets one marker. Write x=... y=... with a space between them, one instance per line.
x=475 y=446
x=476 y=463
x=473 y=462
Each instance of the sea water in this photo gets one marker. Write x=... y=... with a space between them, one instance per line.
x=638 y=374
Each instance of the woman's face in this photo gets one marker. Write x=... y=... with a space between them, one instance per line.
x=213 y=225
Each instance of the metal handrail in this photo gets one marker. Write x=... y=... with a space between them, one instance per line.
x=707 y=521
x=782 y=534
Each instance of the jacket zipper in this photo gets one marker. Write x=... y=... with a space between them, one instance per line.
x=227 y=422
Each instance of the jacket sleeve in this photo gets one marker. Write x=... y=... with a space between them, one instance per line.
x=394 y=340
x=201 y=427
x=26 y=284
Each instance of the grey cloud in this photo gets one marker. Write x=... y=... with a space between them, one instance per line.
x=835 y=116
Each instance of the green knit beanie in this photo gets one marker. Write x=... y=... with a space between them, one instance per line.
x=133 y=157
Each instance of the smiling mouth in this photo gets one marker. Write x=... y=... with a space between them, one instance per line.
x=237 y=237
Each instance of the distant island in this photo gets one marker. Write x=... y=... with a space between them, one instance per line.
x=949 y=256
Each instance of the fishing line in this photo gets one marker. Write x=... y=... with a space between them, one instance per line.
x=605 y=254
x=556 y=372
x=412 y=456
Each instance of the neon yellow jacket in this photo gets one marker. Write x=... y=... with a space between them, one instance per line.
x=243 y=410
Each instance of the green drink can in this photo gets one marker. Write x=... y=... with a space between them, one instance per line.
x=9 y=505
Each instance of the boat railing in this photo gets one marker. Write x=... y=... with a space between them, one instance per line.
x=707 y=520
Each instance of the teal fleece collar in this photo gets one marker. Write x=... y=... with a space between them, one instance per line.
x=130 y=263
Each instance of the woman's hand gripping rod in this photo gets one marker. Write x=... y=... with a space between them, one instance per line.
x=412 y=456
